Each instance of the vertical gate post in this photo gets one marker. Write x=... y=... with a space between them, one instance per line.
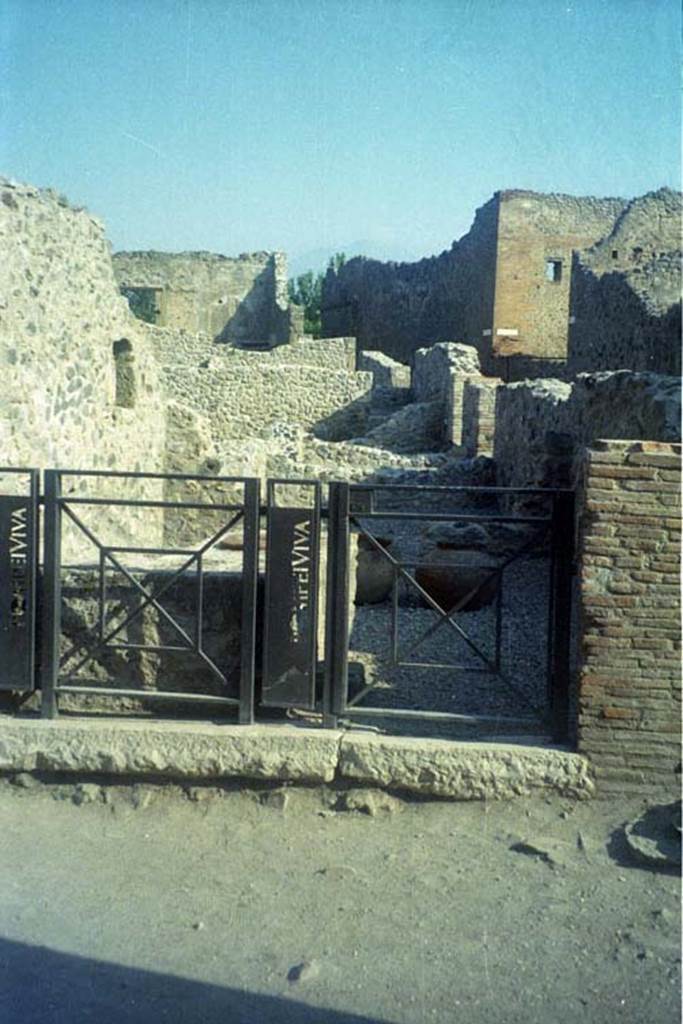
x=52 y=594
x=337 y=605
x=563 y=528
x=250 y=561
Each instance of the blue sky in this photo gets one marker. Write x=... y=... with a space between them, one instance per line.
x=312 y=125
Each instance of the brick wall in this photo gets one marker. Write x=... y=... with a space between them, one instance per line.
x=629 y=681
x=531 y=313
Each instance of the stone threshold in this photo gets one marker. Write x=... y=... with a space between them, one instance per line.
x=191 y=751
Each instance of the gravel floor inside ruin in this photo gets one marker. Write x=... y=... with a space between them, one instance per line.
x=520 y=690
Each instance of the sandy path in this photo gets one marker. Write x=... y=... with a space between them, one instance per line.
x=194 y=911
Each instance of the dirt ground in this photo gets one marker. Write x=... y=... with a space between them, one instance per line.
x=144 y=903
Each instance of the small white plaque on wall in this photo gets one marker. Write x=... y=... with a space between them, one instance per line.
x=507 y=332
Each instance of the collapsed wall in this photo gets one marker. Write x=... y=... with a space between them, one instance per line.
x=397 y=308
x=626 y=292
x=81 y=382
x=539 y=425
x=232 y=299
x=312 y=386
x=515 y=289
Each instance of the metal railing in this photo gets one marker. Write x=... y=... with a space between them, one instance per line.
x=59 y=673
x=554 y=529
x=293 y=578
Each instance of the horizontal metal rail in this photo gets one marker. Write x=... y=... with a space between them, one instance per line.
x=149 y=503
x=421 y=489
x=446 y=517
x=153 y=476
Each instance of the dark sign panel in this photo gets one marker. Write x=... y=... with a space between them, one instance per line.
x=17 y=592
x=291 y=608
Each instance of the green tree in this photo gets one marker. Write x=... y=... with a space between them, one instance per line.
x=306 y=290
x=337 y=261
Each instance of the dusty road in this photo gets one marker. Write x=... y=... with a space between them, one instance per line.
x=137 y=904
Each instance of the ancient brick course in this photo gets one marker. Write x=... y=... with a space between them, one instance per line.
x=630 y=674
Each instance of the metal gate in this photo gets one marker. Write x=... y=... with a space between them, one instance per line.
x=497 y=652
x=513 y=693
x=68 y=494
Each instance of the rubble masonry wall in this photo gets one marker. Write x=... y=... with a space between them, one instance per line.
x=539 y=425
x=241 y=298
x=61 y=316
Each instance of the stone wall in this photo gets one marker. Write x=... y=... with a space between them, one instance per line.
x=81 y=387
x=514 y=288
x=479 y=395
x=239 y=400
x=400 y=307
x=242 y=299
x=433 y=367
x=630 y=679
x=540 y=424
x=386 y=372
x=626 y=292
x=178 y=348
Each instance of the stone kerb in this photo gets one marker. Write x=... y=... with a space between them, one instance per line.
x=630 y=671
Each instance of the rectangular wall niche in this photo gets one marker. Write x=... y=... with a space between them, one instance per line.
x=553 y=270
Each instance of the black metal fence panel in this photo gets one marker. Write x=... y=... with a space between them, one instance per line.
x=65 y=671
x=18 y=560
x=291 y=603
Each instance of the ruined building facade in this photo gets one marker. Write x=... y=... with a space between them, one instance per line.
x=541 y=285
x=240 y=299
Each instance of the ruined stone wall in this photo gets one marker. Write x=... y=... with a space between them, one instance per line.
x=626 y=292
x=397 y=308
x=536 y=236
x=540 y=424
x=241 y=298
x=176 y=347
x=430 y=379
x=386 y=372
x=629 y=716
x=514 y=288
x=81 y=388
x=478 y=432
x=239 y=400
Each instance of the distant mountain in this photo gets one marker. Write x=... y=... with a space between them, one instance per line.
x=317 y=259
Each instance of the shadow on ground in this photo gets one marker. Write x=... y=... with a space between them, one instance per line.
x=39 y=985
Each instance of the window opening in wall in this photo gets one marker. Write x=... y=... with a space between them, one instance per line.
x=615 y=254
x=144 y=303
x=124 y=362
x=553 y=270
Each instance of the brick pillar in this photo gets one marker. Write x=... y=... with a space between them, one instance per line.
x=630 y=673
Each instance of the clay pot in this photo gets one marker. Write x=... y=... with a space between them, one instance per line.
x=459 y=571
x=374 y=572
